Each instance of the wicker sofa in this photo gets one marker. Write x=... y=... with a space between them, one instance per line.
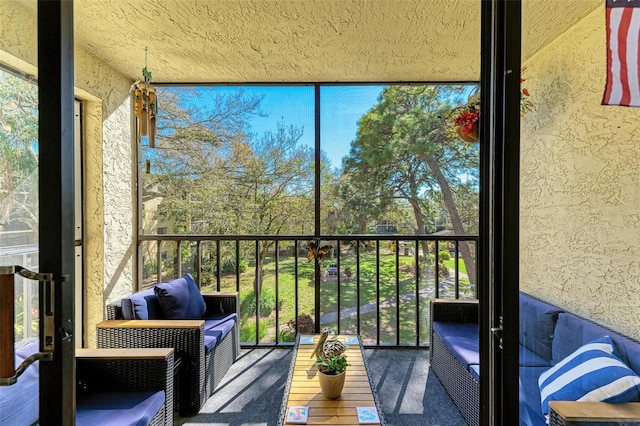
x=549 y=340
x=133 y=387
x=457 y=367
x=206 y=346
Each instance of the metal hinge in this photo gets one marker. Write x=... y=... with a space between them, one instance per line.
x=497 y=331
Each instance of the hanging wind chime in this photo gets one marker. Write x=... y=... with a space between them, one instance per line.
x=146 y=105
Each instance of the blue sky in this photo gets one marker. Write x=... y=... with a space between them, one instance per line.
x=340 y=109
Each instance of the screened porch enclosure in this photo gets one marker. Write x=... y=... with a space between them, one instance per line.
x=342 y=206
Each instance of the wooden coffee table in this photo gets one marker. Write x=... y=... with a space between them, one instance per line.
x=303 y=388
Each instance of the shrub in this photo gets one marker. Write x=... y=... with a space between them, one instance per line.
x=305 y=326
x=248 y=330
x=267 y=302
x=443 y=271
x=228 y=267
x=287 y=334
x=444 y=255
x=150 y=268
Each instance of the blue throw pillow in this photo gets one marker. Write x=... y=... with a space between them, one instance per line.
x=591 y=373
x=180 y=299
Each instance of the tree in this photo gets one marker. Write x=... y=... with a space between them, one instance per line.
x=403 y=151
x=272 y=181
x=19 y=155
x=199 y=133
x=211 y=172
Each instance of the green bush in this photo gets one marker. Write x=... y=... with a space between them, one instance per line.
x=305 y=326
x=267 y=302
x=228 y=267
x=248 y=331
x=288 y=334
x=443 y=271
x=444 y=255
x=150 y=268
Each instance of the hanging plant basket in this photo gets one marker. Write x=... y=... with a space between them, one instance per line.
x=471 y=135
x=465 y=119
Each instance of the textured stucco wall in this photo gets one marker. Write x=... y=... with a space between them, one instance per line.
x=580 y=184
x=108 y=196
x=18 y=34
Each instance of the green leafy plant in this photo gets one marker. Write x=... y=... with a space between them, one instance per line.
x=248 y=330
x=333 y=365
x=267 y=302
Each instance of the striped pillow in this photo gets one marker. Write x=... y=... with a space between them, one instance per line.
x=591 y=373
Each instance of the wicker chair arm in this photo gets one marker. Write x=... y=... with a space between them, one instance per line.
x=563 y=413
x=221 y=303
x=124 y=369
x=185 y=336
x=155 y=323
x=127 y=370
x=447 y=310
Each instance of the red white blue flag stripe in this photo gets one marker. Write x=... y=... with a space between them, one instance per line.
x=623 y=53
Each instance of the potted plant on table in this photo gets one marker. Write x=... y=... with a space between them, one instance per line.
x=332 y=365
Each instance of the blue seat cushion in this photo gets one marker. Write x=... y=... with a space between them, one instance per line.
x=19 y=403
x=118 y=408
x=537 y=323
x=530 y=413
x=142 y=305
x=461 y=339
x=529 y=358
x=572 y=332
x=216 y=328
x=180 y=298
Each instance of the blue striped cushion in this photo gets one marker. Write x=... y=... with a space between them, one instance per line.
x=591 y=373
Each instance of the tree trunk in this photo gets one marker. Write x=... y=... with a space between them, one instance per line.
x=263 y=249
x=458 y=228
x=417 y=213
x=8 y=205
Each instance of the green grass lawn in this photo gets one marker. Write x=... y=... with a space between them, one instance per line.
x=451 y=263
x=349 y=291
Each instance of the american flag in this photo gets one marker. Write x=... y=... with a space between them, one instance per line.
x=623 y=53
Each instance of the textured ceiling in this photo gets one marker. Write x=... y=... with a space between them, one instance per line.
x=304 y=40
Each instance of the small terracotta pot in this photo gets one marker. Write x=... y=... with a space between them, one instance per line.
x=331 y=384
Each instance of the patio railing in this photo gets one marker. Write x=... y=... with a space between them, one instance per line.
x=378 y=286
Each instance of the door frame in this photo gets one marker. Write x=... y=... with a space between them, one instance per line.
x=499 y=211
x=56 y=205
